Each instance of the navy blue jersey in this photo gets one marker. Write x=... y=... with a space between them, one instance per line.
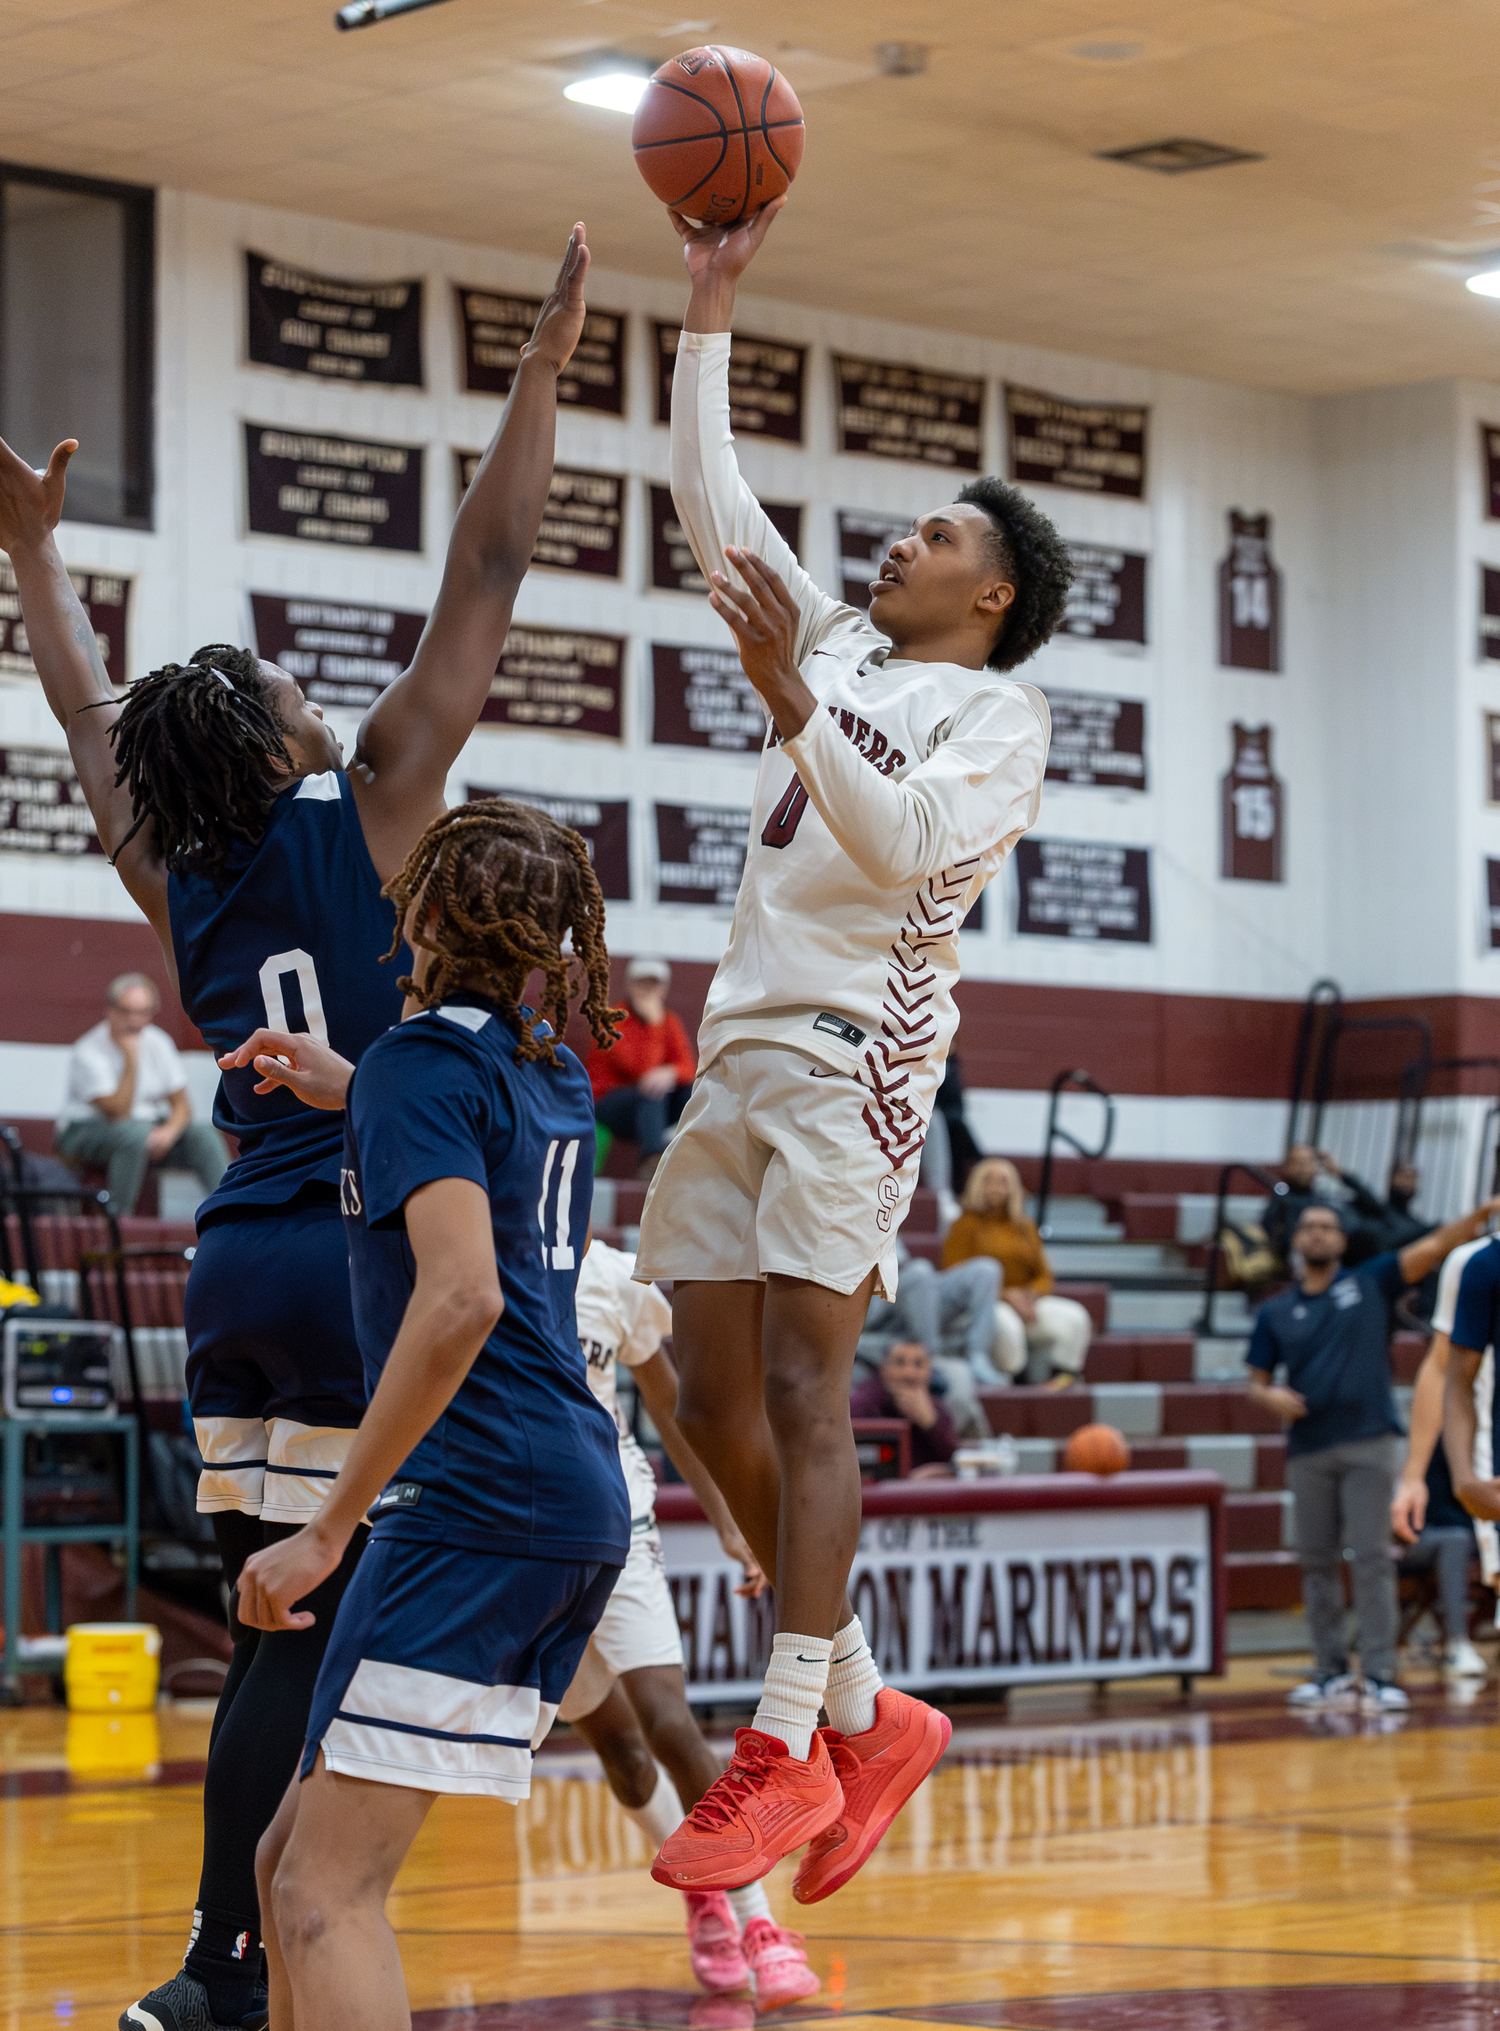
x=292 y=942
x=525 y=1459
x=1335 y=1347
x=1476 y=1316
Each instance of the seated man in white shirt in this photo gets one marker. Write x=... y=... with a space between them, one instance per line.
x=127 y=1104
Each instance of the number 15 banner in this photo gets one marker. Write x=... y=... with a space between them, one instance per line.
x=1253 y=803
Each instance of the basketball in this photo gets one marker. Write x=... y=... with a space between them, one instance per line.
x=718 y=134
x=1096 y=1449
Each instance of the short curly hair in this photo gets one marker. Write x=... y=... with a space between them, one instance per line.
x=1027 y=547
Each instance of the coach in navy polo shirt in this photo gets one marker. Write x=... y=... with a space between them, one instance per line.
x=1331 y=1333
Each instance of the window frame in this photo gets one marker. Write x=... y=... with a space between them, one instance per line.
x=138 y=202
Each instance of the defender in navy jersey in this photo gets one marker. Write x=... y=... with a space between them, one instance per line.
x=220 y=796
x=491 y=1469
x=1468 y=1426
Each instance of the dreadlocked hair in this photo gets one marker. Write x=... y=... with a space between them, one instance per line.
x=201 y=749
x=508 y=883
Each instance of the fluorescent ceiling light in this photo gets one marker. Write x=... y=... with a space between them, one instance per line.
x=1487 y=284
x=617 y=91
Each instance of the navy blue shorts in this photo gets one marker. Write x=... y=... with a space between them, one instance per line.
x=446 y=1666
x=274 y=1377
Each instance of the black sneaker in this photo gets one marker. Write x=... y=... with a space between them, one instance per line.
x=178 y=2005
x=258 y=2016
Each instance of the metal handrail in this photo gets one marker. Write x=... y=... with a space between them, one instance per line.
x=1279 y=1189
x=1323 y=994
x=1070 y=1082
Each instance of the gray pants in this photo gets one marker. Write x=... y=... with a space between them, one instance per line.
x=118 y=1148
x=1449 y=1547
x=1342 y=1499
x=957 y=1306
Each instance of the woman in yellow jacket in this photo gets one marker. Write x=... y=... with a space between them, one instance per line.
x=1035 y=1331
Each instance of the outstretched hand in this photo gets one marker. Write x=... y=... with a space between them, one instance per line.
x=314 y=1072
x=560 y=321
x=764 y=619
x=720 y=254
x=31 y=501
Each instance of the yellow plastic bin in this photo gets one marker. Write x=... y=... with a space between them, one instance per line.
x=112 y=1667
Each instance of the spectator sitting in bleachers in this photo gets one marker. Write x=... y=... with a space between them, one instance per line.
x=642 y=1082
x=1307 y=1184
x=903 y=1388
x=950 y=1312
x=1385 y=1223
x=127 y=1106
x=1035 y=1331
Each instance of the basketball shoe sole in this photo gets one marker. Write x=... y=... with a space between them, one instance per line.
x=878 y=1772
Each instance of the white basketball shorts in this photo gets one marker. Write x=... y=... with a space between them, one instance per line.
x=780 y=1167
x=638 y=1628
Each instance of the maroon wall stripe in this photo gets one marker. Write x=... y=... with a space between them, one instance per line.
x=54 y=970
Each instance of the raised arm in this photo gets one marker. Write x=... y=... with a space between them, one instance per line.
x=1418 y=1258
x=714 y=505
x=412 y=734
x=74 y=681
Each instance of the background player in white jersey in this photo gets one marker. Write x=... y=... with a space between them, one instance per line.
x=899 y=770
x=629 y=1698
x=222 y=800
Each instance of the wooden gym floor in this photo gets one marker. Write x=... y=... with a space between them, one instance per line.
x=1216 y=1866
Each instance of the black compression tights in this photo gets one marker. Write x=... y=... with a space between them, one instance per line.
x=254 y=1749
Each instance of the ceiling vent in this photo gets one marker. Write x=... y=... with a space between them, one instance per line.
x=1175 y=158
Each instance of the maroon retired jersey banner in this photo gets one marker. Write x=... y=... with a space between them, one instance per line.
x=1489 y=451
x=1489 y=614
x=1081 y=888
x=916 y=413
x=1107 y=599
x=581 y=523
x=105 y=598
x=341 y=654
x=1492 y=877
x=42 y=805
x=673 y=565
x=1088 y=447
x=1249 y=597
x=1098 y=742
x=1492 y=756
x=765 y=384
x=1253 y=803
x=700 y=853
x=604 y=828
x=346 y=331
x=864 y=540
x=701 y=698
x=558 y=678
x=321 y=489
x=495 y=328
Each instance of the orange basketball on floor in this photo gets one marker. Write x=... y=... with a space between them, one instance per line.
x=718 y=134
x=1096 y=1449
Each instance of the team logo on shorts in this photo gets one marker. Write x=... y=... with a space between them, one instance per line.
x=889 y=1194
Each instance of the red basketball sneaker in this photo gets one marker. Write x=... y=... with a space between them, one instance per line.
x=878 y=1770
x=766 y=1804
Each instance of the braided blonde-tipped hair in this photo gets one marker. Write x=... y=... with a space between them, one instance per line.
x=508 y=883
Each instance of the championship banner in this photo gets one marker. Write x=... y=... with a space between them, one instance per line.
x=673 y=566
x=1253 y=803
x=559 y=678
x=1107 y=599
x=913 y=413
x=765 y=384
x=1489 y=452
x=581 y=522
x=864 y=540
x=700 y=854
x=1098 y=742
x=1079 y=888
x=1492 y=752
x=999 y=1598
x=104 y=597
x=1249 y=597
x=320 y=489
x=495 y=328
x=1489 y=614
x=42 y=805
x=1492 y=873
x=340 y=653
x=1089 y=447
x=349 y=331
x=603 y=827
x=701 y=698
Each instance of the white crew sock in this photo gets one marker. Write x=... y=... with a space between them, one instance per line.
x=751 y=1902
x=661 y=1815
x=853 y=1682
x=792 y=1696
